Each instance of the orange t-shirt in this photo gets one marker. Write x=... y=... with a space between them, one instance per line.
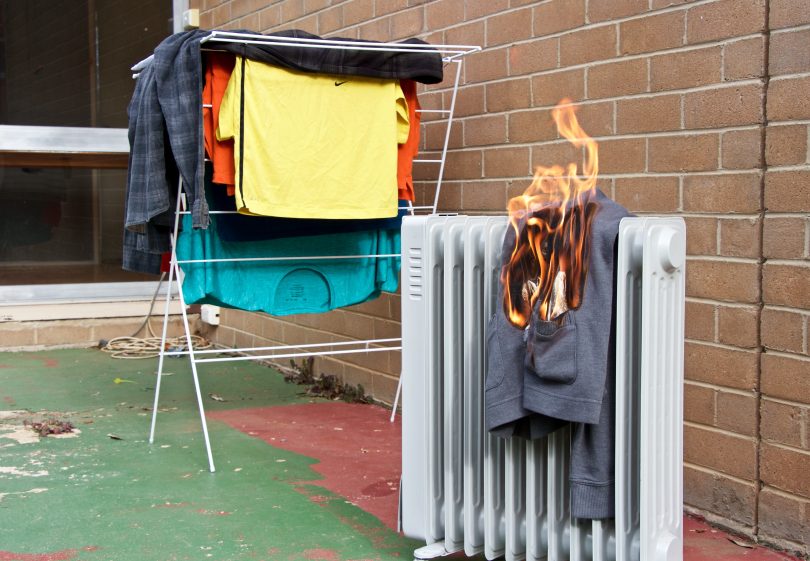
x=407 y=152
x=218 y=69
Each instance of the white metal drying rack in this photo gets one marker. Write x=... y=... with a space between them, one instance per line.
x=451 y=54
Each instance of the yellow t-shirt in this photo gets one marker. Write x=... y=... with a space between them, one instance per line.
x=315 y=145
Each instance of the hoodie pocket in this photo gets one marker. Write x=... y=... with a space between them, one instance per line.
x=506 y=347
x=551 y=352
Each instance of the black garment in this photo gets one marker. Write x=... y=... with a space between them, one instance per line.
x=244 y=228
x=424 y=65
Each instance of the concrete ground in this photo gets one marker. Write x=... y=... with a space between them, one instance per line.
x=297 y=478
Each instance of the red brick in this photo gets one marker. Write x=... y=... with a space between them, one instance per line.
x=787 y=191
x=549 y=88
x=732 y=455
x=721 y=193
x=786 y=377
x=649 y=114
x=683 y=153
x=531 y=126
x=742 y=149
x=509 y=27
x=383 y=7
x=509 y=95
x=602 y=10
x=744 y=59
x=710 y=22
x=787 y=285
x=739 y=237
x=701 y=235
x=407 y=24
x=722 y=366
x=686 y=69
x=240 y=8
x=596 y=118
x=433 y=135
x=698 y=404
x=251 y=21
x=788 y=13
x=788 y=99
x=784 y=238
x=291 y=10
x=485 y=130
x=330 y=20
x=469 y=101
x=587 y=45
x=652 y=33
x=782 y=330
x=506 y=162
x=738 y=326
x=358 y=11
x=626 y=155
x=484 y=196
x=723 y=496
x=486 y=65
x=647 y=194
x=476 y=10
x=270 y=17
x=737 y=413
x=700 y=321
x=559 y=153
x=617 y=78
x=534 y=56
x=783 y=517
x=558 y=15
x=469 y=34
x=375 y=30
x=785 y=469
x=782 y=423
x=724 y=107
x=463 y=165
x=789 y=52
x=449 y=198
x=439 y=15
x=729 y=281
x=786 y=145
x=384 y=388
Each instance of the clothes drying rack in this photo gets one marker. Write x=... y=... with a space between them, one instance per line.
x=452 y=55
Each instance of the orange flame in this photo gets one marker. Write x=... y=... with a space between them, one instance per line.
x=552 y=222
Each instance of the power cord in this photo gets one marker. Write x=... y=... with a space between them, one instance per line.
x=133 y=347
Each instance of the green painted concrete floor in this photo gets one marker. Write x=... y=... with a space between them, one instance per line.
x=297 y=478
x=95 y=497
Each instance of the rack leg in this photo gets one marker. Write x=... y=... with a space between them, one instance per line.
x=396 y=398
x=193 y=361
x=161 y=356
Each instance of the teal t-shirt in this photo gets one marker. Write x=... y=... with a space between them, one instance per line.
x=288 y=287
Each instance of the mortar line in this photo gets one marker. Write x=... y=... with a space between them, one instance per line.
x=760 y=274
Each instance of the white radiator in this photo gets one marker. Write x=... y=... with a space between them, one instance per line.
x=464 y=490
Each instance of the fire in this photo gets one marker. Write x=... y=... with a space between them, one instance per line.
x=552 y=221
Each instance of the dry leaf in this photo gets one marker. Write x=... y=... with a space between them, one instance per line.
x=741 y=543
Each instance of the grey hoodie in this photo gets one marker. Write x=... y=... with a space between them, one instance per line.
x=549 y=373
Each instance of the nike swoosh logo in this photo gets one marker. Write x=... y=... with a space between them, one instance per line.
x=340 y=83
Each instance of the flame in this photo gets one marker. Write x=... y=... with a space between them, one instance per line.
x=552 y=223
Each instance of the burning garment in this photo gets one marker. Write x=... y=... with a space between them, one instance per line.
x=563 y=370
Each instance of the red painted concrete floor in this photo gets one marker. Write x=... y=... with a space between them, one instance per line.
x=358 y=454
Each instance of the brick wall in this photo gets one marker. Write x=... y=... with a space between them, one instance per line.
x=701 y=109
